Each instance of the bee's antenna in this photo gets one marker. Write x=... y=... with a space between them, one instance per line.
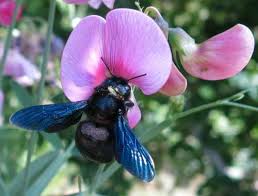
x=106 y=66
x=136 y=77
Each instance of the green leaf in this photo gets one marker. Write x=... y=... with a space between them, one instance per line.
x=36 y=167
x=3 y=188
x=107 y=174
x=22 y=94
x=53 y=139
x=46 y=176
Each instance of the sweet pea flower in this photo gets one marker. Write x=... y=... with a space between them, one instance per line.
x=129 y=42
x=218 y=58
x=7 y=8
x=19 y=68
x=93 y=3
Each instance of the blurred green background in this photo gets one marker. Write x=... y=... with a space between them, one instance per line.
x=214 y=152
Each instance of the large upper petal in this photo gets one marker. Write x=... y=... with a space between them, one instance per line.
x=222 y=56
x=135 y=45
x=176 y=83
x=82 y=69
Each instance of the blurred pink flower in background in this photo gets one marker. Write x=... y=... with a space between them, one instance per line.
x=93 y=3
x=129 y=42
x=220 y=57
x=7 y=8
x=19 y=68
x=31 y=45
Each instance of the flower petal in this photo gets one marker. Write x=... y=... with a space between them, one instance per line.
x=109 y=3
x=134 y=113
x=176 y=83
x=76 y=1
x=135 y=45
x=222 y=56
x=95 y=3
x=81 y=66
x=6 y=12
x=19 y=68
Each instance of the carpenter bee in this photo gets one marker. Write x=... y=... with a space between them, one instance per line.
x=104 y=135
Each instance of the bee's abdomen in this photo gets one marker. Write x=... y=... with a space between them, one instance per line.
x=94 y=142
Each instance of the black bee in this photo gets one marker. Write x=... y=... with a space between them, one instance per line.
x=104 y=135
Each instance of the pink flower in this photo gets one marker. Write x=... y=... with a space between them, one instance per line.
x=93 y=3
x=19 y=68
x=221 y=56
x=129 y=42
x=7 y=8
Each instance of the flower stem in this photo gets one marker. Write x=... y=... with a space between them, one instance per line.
x=8 y=40
x=97 y=178
x=43 y=66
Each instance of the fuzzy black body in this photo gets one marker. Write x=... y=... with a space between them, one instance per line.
x=109 y=99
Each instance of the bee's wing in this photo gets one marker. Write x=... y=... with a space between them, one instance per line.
x=130 y=153
x=50 y=118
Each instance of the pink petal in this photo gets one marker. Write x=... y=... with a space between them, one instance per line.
x=19 y=68
x=135 y=45
x=81 y=66
x=222 y=56
x=76 y=1
x=109 y=3
x=6 y=12
x=95 y=3
x=176 y=83
x=134 y=113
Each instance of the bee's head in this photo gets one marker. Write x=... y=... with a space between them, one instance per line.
x=119 y=88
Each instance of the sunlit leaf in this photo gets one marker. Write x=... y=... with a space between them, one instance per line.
x=47 y=175
x=36 y=168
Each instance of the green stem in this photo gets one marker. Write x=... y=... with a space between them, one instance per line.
x=8 y=40
x=240 y=105
x=97 y=178
x=32 y=143
x=43 y=66
x=198 y=109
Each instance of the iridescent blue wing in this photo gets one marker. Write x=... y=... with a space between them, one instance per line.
x=50 y=118
x=130 y=153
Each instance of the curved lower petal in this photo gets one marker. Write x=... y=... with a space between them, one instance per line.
x=135 y=45
x=81 y=66
x=76 y=1
x=176 y=83
x=222 y=56
x=109 y=3
x=134 y=113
